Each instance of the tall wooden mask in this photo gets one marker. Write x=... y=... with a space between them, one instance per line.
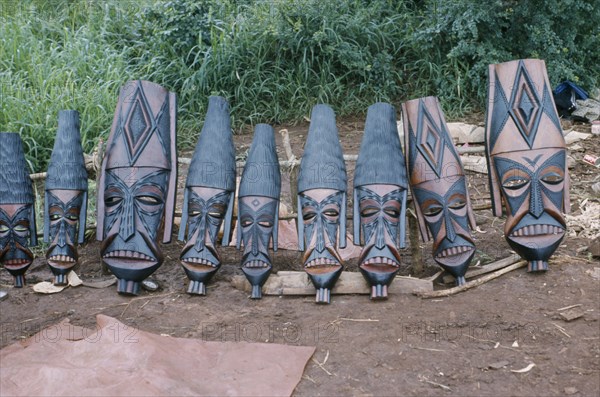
x=322 y=202
x=65 y=204
x=258 y=208
x=208 y=199
x=439 y=186
x=136 y=192
x=17 y=212
x=526 y=156
x=380 y=190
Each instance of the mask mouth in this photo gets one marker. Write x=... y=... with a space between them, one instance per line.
x=538 y=230
x=453 y=256
x=61 y=261
x=255 y=264
x=17 y=263
x=321 y=262
x=131 y=259
x=195 y=261
x=381 y=261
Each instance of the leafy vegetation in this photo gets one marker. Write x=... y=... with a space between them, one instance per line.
x=274 y=59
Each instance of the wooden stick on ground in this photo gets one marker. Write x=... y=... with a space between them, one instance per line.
x=490 y=267
x=471 y=284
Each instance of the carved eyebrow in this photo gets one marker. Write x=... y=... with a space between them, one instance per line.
x=18 y=216
x=385 y=197
x=217 y=198
x=327 y=200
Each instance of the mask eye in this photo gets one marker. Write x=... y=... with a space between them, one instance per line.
x=331 y=213
x=21 y=228
x=515 y=183
x=307 y=216
x=265 y=223
x=457 y=204
x=55 y=217
x=394 y=213
x=72 y=217
x=246 y=223
x=552 y=178
x=216 y=214
x=149 y=200
x=432 y=210
x=369 y=211
x=111 y=201
x=3 y=228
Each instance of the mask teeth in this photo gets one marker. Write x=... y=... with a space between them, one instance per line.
x=128 y=255
x=381 y=260
x=200 y=261
x=16 y=262
x=256 y=264
x=61 y=258
x=537 y=230
x=321 y=262
x=454 y=251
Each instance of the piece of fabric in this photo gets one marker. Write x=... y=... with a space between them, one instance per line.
x=117 y=360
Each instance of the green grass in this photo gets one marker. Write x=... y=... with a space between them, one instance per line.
x=273 y=60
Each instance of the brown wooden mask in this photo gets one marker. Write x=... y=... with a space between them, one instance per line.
x=322 y=202
x=208 y=198
x=136 y=192
x=526 y=156
x=438 y=185
x=66 y=198
x=17 y=214
x=380 y=190
x=258 y=208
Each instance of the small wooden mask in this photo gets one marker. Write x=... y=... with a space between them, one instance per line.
x=526 y=155
x=258 y=208
x=209 y=197
x=380 y=190
x=66 y=198
x=322 y=203
x=137 y=187
x=438 y=185
x=17 y=212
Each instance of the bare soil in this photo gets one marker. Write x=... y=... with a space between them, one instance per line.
x=467 y=344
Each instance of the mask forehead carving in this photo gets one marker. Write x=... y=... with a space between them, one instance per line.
x=17 y=218
x=526 y=153
x=380 y=184
x=322 y=202
x=260 y=187
x=439 y=186
x=208 y=199
x=65 y=207
x=137 y=186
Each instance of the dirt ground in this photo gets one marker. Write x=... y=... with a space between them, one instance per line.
x=467 y=344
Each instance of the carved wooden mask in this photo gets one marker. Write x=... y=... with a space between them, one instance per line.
x=208 y=198
x=66 y=198
x=136 y=193
x=258 y=208
x=527 y=157
x=322 y=202
x=380 y=190
x=438 y=185
x=17 y=214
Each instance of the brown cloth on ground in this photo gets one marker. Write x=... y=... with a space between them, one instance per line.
x=117 y=360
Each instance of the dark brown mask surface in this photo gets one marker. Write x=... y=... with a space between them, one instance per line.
x=439 y=187
x=137 y=187
x=526 y=153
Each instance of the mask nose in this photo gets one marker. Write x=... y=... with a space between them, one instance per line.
x=201 y=236
x=379 y=234
x=536 y=205
x=62 y=233
x=450 y=232
x=254 y=236
x=127 y=227
x=320 y=230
